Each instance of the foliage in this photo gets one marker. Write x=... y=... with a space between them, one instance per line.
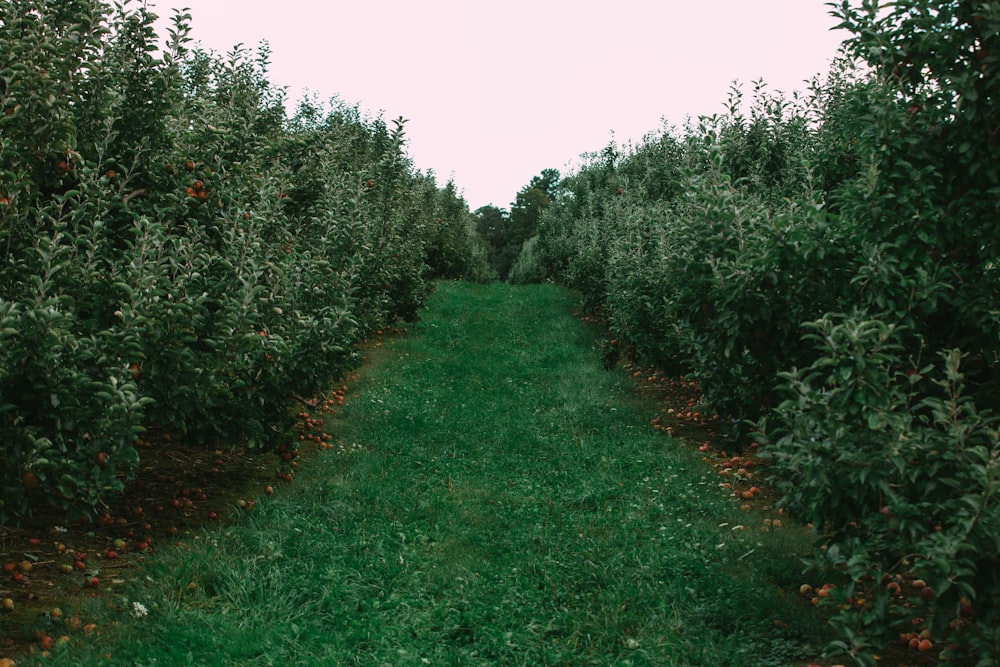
x=929 y=509
x=504 y=233
x=715 y=250
x=493 y=227
x=927 y=202
x=527 y=268
x=176 y=250
x=530 y=203
x=695 y=251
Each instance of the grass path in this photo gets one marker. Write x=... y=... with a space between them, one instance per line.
x=503 y=502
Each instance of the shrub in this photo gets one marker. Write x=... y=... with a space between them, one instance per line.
x=928 y=510
x=527 y=268
x=175 y=250
x=926 y=203
x=709 y=249
x=709 y=262
x=70 y=406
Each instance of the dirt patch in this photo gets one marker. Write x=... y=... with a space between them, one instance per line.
x=51 y=564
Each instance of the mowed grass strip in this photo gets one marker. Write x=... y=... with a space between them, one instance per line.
x=502 y=501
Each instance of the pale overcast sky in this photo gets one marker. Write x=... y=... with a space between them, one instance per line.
x=497 y=91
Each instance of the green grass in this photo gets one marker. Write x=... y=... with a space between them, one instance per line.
x=504 y=502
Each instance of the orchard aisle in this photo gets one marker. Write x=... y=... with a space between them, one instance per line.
x=498 y=498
